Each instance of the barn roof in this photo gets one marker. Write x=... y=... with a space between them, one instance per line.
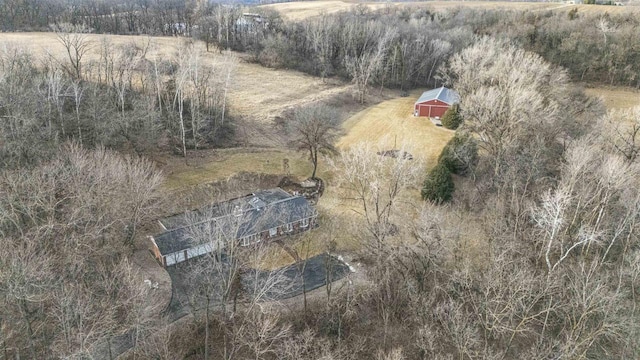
x=443 y=94
x=233 y=219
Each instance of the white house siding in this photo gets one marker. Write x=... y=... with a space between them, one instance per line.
x=294 y=227
x=174 y=258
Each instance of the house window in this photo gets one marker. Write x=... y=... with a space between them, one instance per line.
x=289 y=227
x=273 y=232
x=304 y=223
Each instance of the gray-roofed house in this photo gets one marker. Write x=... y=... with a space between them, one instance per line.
x=434 y=103
x=247 y=220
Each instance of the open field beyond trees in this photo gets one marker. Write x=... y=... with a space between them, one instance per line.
x=258 y=94
x=304 y=9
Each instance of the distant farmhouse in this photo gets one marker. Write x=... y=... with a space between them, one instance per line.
x=250 y=22
x=247 y=220
x=434 y=103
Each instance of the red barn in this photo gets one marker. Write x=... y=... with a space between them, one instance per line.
x=434 y=103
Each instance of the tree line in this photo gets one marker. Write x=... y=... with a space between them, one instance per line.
x=396 y=46
x=115 y=95
x=103 y=16
x=401 y=47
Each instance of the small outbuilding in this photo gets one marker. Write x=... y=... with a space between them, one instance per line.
x=434 y=103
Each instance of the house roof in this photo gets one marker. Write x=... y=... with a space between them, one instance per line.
x=219 y=209
x=232 y=220
x=443 y=94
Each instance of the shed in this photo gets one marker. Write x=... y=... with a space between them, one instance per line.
x=250 y=219
x=434 y=103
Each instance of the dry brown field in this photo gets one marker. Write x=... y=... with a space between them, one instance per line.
x=616 y=97
x=601 y=9
x=305 y=9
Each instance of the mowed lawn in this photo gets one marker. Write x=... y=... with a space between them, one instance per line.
x=229 y=162
x=391 y=124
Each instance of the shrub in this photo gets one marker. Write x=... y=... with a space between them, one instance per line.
x=452 y=118
x=460 y=154
x=438 y=187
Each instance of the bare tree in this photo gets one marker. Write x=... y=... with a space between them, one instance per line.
x=503 y=107
x=179 y=96
x=74 y=40
x=125 y=64
x=228 y=68
x=213 y=277
x=264 y=332
x=25 y=284
x=55 y=87
x=70 y=216
x=368 y=62
x=321 y=40
x=314 y=129
x=78 y=91
x=375 y=183
x=622 y=131
x=159 y=343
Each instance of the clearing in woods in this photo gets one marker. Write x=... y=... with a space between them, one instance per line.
x=304 y=9
x=387 y=124
x=391 y=123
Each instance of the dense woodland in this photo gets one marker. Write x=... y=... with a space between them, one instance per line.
x=124 y=99
x=525 y=249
